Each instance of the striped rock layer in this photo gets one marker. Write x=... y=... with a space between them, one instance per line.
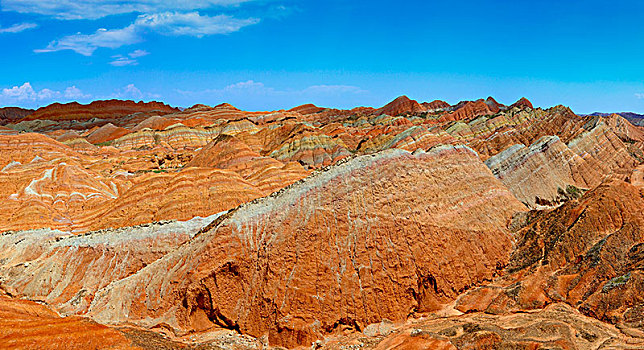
x=347 y=246
x=338 y=227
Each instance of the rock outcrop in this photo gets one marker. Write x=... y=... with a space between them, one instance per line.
x=347 y=246
x=401 y=105
x=28 y=325
x=214 y=227
x=522 y=103
x=587 y=253
x=108 y=109
x=13 y=114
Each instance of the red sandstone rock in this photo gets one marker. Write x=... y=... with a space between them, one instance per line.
x=13 y=114
x=306 y=109
x=393 y=235
x=348 y=246
x=401 y=105
x=471 y=109
x=105 y=133
x=435 y=105
x=586 y=253
x=522 y=103
x=98 y=109
x=28 y=325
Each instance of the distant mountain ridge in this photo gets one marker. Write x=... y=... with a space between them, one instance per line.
x=634 y=118
x=12 y=114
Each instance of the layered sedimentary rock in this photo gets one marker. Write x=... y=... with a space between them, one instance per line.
x=45 y=185
x=28 y=325
x=25 y=148
x=306 y=109
x=65 y=271
x=545 y=173
x=267 y=174
x=401 y=105
x=98 y=109
x=436 y=105
x=471 y=109
x=312 y=149
x=347 y=246
x=587 y=253
x=373 y=249
x=557 y=326
x=105 y=133
x=12 y=114
x=549 y=171
x=522 y=103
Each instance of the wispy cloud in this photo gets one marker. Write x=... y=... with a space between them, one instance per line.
x=131 y=92
x=244 y=91
x=192 y=23
x=120 y=61
x=167 y=23
x=640 y=95
x=18 y=27
x=26 y=95
x=251 y=86
x=86 y=44
x=129 y=60
x=138 y=53
x=334 y=89
x=94 y=9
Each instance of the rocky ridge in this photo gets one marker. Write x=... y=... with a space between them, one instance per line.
x=370 y=227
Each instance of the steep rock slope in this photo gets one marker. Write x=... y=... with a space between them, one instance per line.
x=401 y=105
x=12 y=114
x=65 y=270
x=345 y=247
x=543 y=173
x=588 y=253
x=267 y=174
x=28 y=325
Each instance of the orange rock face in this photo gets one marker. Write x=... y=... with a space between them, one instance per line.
x=319 y=254
x=213 y=227
x=435 y=105
x=522 y=103
x=401 y=105
x=586 y=253
x=27 y=325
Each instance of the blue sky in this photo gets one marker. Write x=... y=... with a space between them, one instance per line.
x=273 y=54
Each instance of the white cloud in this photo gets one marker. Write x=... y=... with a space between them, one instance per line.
x=245 y=92
x=640 y=96
x=19 y=27
x=73 y=92
x=167 y=23
x=93 y=9
x=20 y=93
x=192 y=23
x=86 y=44
x=121 y=61
x=129 y=60
x=334 y=89
x=247 y=86
x=131 y=92
x=47 y=94
x=138 y=53
x=26 y=95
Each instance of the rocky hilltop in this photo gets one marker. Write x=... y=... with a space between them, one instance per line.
x=411 y=225
x=12 y=114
